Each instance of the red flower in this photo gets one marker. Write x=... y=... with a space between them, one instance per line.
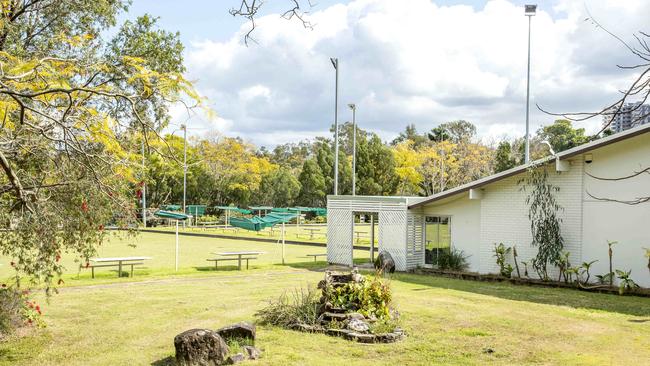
x=84 y=206
x=60 y=281
x=138 y=193
x=13 y=264
x=101 y=227
x=58 y=257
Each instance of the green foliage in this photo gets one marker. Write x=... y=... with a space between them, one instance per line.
x=313 y=189
x=605 y=279
x=562 y=136
x=17 y=310
x=454 y=260
x=300 y=307
x=504 y=159
x=500 y=253
x=280 y=188
x=584 y=271
x=544 y=221
x=385 y=325
x=371 y=297
x=626 y=283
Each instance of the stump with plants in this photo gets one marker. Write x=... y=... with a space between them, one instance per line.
x=348 y=305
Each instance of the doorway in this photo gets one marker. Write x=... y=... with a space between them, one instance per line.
x=437 y=236
x=365 y=237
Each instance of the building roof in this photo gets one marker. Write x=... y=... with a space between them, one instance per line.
x=563 y=155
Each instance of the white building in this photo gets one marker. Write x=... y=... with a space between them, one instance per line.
x=475 y=216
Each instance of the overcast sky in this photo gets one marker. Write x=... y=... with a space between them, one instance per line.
x=408 y=61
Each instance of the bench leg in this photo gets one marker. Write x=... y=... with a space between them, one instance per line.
x=132 y=270
x=246 y=263
x=119 y=269
x=216 y=265
x=93 y=271
x=239 y=263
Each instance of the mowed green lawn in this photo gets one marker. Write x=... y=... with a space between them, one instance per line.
x=193 y=254
x=310 y=233
x=110 y=321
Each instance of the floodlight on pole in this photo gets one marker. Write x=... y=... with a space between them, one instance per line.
x=353 y=107
x=529 y=11
x=335 y=63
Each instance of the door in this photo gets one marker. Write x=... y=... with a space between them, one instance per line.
x=437 y=238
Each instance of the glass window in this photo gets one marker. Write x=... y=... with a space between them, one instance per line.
x=437 y=238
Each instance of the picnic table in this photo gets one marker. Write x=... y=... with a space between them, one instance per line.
x=317 y=255
x=359 y=235
x=117 y=261
x=246 y=255
x=311 y=231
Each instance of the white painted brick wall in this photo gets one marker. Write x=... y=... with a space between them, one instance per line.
x=504 y=217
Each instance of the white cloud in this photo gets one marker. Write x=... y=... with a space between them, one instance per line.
x=415 y=62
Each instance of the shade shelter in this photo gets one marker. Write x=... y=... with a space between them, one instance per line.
x=229 y=210
x=177 y=216
x=260 y=209
x=257 y=223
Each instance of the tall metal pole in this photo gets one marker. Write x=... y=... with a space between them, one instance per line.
x=184 y=165
x=354 y=147
x=529 y=12
x=144 y=190
x=335 y=63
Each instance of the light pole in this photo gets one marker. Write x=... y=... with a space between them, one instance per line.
x=184 y=128
x=353 y=107
x=529 y=11
x=335 y=63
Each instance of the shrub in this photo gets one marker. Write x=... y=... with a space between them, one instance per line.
x=454 y=260
x=301 y=306
x=17 y=310
x=626 y=283
x=371 y=298
x=500 y=252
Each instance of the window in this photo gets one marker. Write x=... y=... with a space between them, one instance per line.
x=437 y=236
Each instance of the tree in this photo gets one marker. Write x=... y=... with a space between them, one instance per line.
x=562 y=136
x=410 y=133
x=69 y=104
x=313 y=189
x=279 y=188
x=543 y=212
x=503 y=157
x=407 y=162
x=459 y=130
x=438 y=134
x=375 y=168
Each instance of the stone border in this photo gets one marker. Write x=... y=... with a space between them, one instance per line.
x=396 y=335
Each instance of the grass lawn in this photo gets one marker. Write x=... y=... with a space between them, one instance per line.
x=193 y=254
x=311 y=233
x=112 y=321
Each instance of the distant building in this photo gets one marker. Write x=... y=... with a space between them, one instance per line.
x=631 y=115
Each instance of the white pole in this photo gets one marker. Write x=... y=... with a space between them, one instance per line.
x=527 y=154
x=176 y=245
x=354 y=147
x=335 y=63
x=144 y=190
x=282 y=242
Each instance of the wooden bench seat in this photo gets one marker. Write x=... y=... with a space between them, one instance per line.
x=217 y=260
x=93 y=266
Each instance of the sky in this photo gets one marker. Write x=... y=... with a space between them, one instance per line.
x=409 y=61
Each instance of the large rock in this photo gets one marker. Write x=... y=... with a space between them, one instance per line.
x=358 y=326
x=252 y=353
x=239 y=331
x=200 y=347
x=236 y=358
x=385 y=262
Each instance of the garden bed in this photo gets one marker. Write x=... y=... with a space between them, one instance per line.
x=641 y=292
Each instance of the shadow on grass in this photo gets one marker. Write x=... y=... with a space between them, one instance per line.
x=167 y=361
x=629 y=305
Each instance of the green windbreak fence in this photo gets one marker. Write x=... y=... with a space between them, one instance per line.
x=195 y=210
x=318 y=211
x=257 y=223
